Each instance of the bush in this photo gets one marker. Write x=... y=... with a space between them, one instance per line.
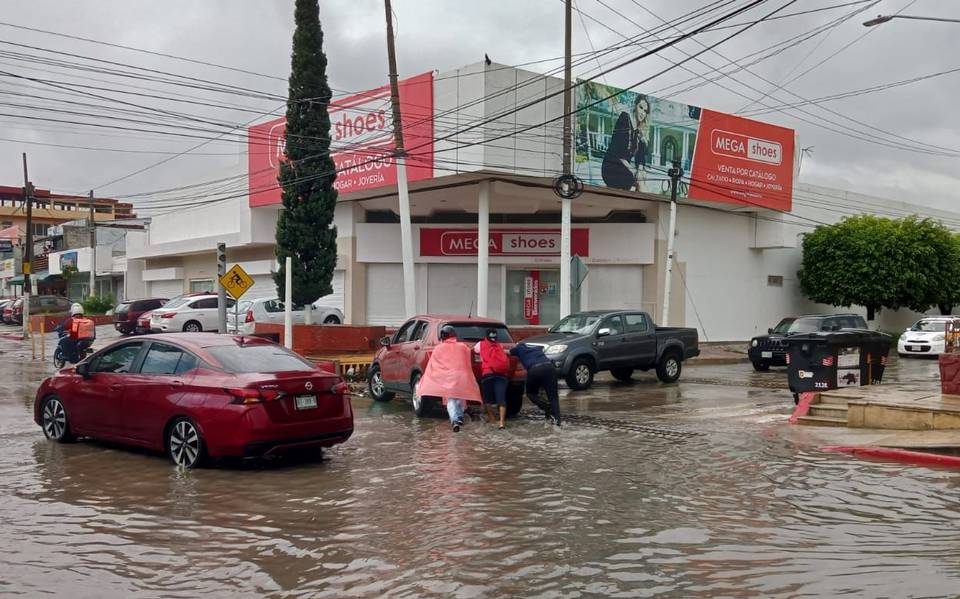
x=95 y=305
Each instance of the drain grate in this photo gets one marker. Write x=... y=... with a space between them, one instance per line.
x=615 y=424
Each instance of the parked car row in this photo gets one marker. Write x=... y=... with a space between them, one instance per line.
x=11 y=310
x=198 y=312
x=927 y=336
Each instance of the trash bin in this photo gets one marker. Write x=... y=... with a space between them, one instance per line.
x=830 y=359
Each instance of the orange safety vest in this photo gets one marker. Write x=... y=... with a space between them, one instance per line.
x=83 y=328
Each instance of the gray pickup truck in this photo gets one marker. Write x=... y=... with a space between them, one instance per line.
x=620 y=341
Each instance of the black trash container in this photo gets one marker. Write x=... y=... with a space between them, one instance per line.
x=830 y=359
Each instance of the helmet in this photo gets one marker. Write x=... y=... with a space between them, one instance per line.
x=447 y=331
x=492 y=334
x=76 y=310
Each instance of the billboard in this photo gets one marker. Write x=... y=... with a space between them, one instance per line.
x=629 y=141
x=361 y=136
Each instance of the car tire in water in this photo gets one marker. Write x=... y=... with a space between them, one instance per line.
x=185 y=443
x=761 y=366
x=422 y=406
x=622 y=374
x=192 y=327
x=375 y=384
x=580 y=376
x=55 y=421
x=668 y=370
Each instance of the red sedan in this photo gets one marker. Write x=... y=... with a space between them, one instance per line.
x=196 y=396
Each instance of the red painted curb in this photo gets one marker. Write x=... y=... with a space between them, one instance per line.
x=12 y=337
x=803 y=407
x=919 y=458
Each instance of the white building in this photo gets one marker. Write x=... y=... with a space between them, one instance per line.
x=736 y=263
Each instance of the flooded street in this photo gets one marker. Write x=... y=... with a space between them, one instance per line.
x=727 y=502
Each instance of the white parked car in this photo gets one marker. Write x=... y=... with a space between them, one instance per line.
x=191 y=314
x=270 y=310
x=926 y=336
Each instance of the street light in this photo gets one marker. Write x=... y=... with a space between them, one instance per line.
x=881 y=19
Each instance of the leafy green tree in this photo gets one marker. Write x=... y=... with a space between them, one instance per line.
x=878 y=263
x=305 y=229
x=949 y=276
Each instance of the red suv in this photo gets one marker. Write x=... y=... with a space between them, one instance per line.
x=399 y=364
x=125 y=315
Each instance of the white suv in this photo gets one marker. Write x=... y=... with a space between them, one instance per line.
x=191 y=314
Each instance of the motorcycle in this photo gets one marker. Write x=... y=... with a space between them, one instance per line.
x=84 y=349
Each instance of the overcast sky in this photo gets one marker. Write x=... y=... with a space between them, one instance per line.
x=441 y=35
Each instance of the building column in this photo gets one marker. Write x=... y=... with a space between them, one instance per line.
x=483 y=246
x=686 y=148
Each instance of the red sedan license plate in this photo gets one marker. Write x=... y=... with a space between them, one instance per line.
x=306 y=402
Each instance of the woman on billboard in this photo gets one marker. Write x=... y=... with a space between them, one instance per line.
x=627 y=154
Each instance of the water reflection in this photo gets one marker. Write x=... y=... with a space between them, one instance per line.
x=409 y=509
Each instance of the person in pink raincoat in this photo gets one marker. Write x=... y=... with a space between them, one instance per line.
x=449 y=376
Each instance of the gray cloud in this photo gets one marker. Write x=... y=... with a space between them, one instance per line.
x=442 y=35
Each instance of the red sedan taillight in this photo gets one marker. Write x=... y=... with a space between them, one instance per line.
x=249 y=316
x=249 y=396
x=340 y=388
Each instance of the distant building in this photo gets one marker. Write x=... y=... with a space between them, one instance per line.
x=50 y=212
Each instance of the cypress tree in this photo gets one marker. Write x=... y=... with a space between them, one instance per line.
x=305 y=230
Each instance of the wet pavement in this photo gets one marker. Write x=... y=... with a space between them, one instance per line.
x=736 y=503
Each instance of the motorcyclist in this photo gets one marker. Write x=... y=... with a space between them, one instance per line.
x=77 y=334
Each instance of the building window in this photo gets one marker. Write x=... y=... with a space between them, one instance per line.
x=774 y=281
x=40 y=229
x=201 y=285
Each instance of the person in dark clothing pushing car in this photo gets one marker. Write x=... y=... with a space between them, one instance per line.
x=541 y=374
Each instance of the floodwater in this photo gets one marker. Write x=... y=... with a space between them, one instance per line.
x=725 y=503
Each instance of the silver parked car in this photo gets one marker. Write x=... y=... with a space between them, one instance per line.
x=270 y=310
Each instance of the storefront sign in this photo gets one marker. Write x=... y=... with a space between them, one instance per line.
x=629 y=141
x=503 y=242
x=68 y=260
x=531 y=297
x=8 y=268
x=362 y=143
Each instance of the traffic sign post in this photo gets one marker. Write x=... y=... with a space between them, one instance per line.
x=236 y=282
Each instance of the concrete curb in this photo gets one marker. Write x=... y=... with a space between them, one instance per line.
x=717 y=361
x=12 y=337
x=905 y=456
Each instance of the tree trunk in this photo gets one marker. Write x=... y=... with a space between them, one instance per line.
x=871 y=313
x=946 y=309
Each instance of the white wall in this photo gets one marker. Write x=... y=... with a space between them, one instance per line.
x=608 y=244
x=613 y=286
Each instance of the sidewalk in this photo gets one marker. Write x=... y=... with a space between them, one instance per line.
x=721 y=353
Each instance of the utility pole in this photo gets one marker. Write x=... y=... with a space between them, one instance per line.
x=221 y=291
x=28 y=254
x=406 y=232
x=93 y=248
x=675 y=174
x=566 y=288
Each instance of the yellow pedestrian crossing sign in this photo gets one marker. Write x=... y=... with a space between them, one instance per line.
x=236 y=282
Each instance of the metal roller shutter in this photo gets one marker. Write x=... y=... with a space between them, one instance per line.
x=385 y=294
x=335 y=299
x=263 y=286
x=167 y=289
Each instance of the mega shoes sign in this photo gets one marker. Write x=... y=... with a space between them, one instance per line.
x=361 y=141
x=503 y=242
x=629 y=141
